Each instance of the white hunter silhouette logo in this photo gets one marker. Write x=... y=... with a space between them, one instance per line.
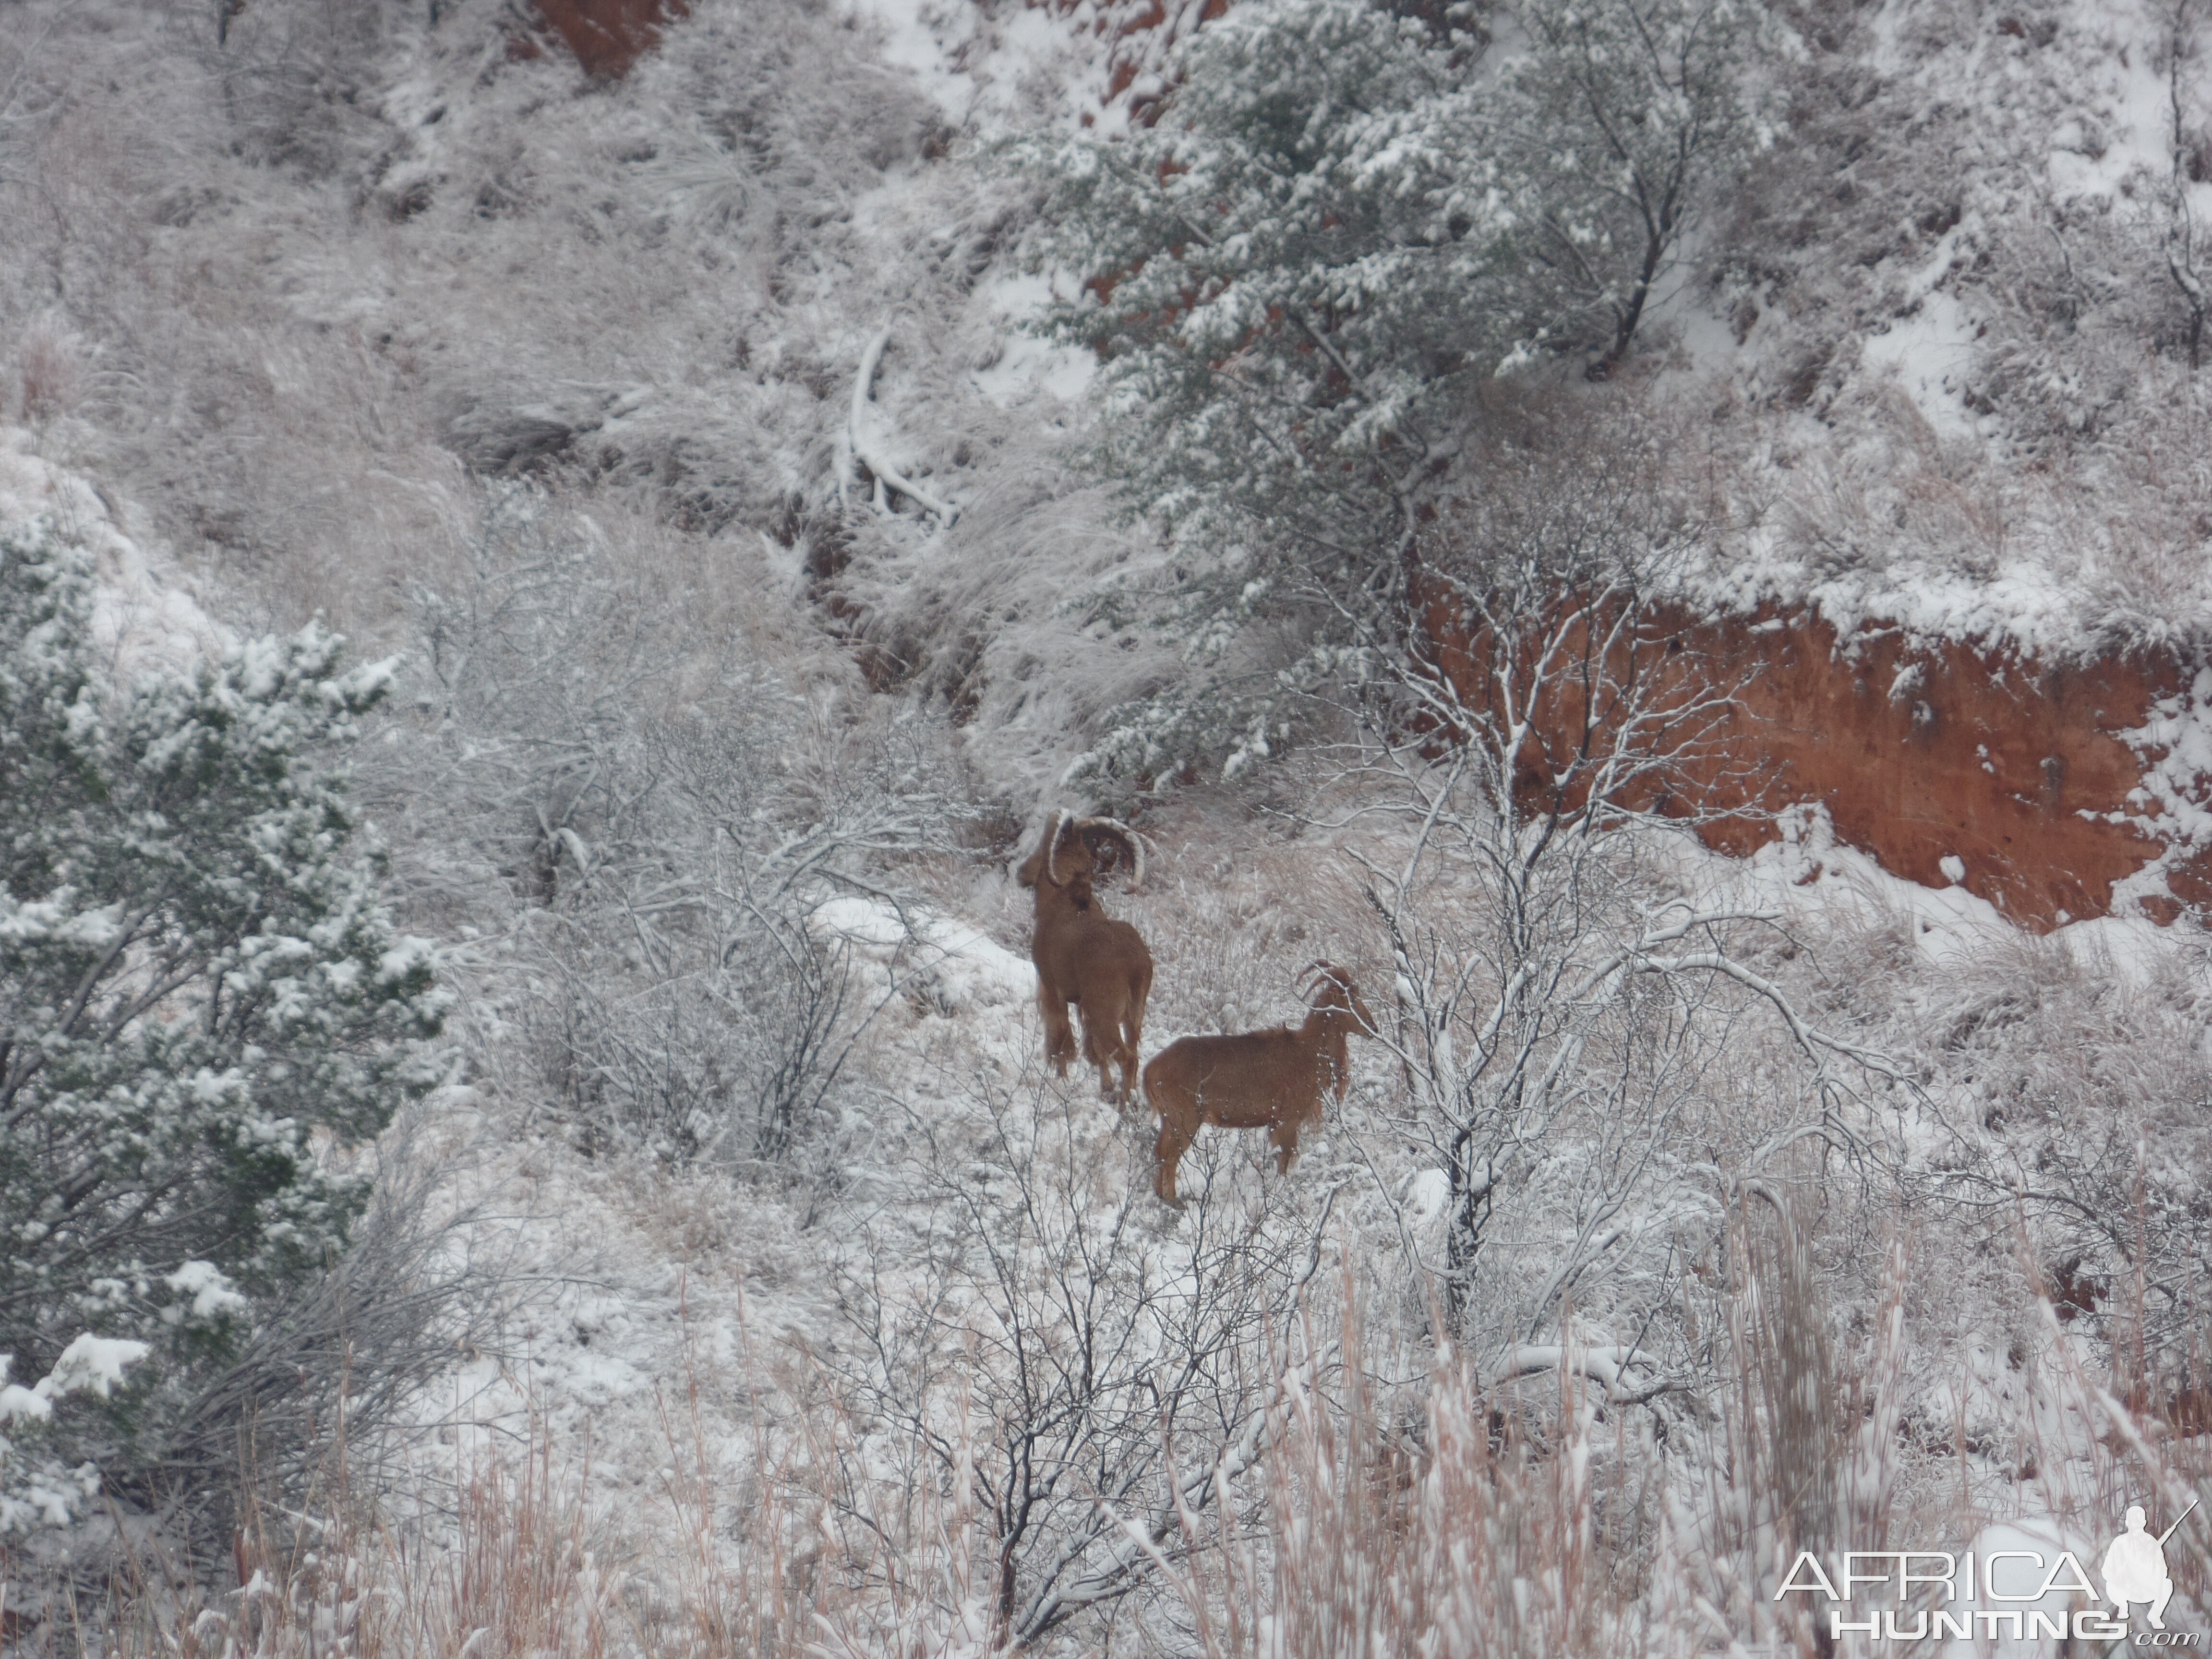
x=2135 y=1567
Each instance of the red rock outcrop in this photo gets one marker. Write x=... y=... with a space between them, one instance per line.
x=1924 y=750
x=1921 y=751
x=607 y=36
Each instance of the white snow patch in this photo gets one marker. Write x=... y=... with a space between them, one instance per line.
x=94 y=1363
x=1809 y=871
x=1427 y=1193
x=923 y=38
x=1929 y=353
x=995 y=71
x=143 y=613
x=1026 y=363
x=2029 y=1551
x=212 y=1293
x=953 y=964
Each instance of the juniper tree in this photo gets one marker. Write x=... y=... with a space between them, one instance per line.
x=1289 y=273
x=200 y=994
x=1345 y=223
x=1619 y=122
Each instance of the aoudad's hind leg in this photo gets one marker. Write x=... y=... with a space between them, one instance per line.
x=1285 y=1139
x=1132 y=1035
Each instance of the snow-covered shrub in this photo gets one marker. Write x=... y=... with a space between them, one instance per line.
x=1406 y=1517
x=653 y=815
x=698 y=990
x=1621 y=124
x=2006 y=211
x=200 y=991
x=1570 y=1017
x=2081 y=1080
x=1281 y=660
x=1071 y=1386
x=1291 y=274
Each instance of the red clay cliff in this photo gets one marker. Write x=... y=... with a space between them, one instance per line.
x=1921 y=750
x=609 y=36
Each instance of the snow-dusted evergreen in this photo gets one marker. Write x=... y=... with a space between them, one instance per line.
x=200 y=979
x=1345 y=223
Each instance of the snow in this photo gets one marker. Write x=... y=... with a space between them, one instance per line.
x=924 y=39
x=409 y=955
x=1025 y=361
x=213 y=1296
x=2117 y=130
x=1811 y=876
x=1426 y=1194
x=1948 y=354
x=1928 y=353
x=145 y=612
x=2033 y=1550
x=90 y=1364
x=2175 y=742
x=996 y=69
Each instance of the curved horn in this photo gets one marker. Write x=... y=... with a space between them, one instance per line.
x=1054 y=830
x=1321 y=968
x=1130 y=838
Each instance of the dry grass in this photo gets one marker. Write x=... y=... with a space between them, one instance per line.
x=514 y=1566
x=522 y=1556
x=1398 y=1510
x=1430 y=1517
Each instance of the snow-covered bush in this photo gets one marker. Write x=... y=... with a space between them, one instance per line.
x=2078 y=1083
x=1076 y=1389
x=606 y=774
x=200 y=992
x=2007 y=212
x=1623 y=124
x=696 y=990
x=1291 y=274
x=1562 y=1005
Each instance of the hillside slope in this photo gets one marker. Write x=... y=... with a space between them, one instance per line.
x=678 y=405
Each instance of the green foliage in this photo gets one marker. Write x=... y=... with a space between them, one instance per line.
x=1301 y=279
x=1287 y=273
x=199 y=991
x=34 y=1487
